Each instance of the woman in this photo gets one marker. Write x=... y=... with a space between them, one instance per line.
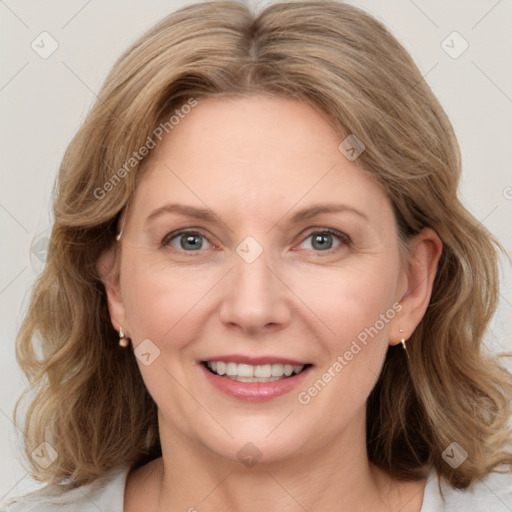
x=262 y=292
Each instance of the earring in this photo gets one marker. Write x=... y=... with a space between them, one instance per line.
x=402 y=341
x=123 y=341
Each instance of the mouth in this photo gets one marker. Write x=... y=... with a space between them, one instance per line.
x=241 y=372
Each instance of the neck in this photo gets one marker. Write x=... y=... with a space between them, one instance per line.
x=336 y=476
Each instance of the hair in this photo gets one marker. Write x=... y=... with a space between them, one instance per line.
x=87 y=397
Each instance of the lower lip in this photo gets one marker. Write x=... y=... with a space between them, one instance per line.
x=255 y=391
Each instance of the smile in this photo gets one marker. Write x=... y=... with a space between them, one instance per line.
x=265 y=379
x=253 y=373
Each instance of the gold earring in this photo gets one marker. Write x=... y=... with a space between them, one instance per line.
x=123 y=341
x=402 y=341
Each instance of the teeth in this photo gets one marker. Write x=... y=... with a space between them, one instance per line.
x=221 y=368
x=245 y=370
x=231 y=369
x=254 y=379
x=264 y=370
x=249 y=373
x=277 y=370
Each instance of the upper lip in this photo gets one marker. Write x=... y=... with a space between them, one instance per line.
x=255 y=361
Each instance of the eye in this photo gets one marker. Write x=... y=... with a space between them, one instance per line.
x=326 y=239
x=188 y=241
x=322 y=240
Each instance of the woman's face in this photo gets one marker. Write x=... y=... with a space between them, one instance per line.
x=254 y=243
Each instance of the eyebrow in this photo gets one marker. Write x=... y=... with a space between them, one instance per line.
x=208 y=215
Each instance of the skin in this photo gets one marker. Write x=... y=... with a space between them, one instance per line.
x=254 y=162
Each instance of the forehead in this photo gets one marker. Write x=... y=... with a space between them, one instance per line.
x=253 y=126
x=255 y=152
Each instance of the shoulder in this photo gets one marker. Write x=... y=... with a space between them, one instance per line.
x=105 y=493
x=494 y=492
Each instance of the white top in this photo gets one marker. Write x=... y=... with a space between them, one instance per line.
x=494 y=493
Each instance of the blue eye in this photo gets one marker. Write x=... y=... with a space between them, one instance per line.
x=324 y=240
x=187 y=240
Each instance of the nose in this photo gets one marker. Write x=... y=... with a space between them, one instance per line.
x=256 y=299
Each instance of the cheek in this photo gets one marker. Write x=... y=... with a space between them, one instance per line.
x=357 y=305
x=351 y=299
x=160 y=299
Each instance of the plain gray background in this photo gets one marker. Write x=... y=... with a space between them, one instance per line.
x=44 y=100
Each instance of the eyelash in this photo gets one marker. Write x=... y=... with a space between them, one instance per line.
x=343 y=239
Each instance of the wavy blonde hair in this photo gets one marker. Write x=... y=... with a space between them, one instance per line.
x=87 y=397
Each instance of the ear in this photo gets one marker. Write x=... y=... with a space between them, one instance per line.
x=416 y=283
x=108 y=270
